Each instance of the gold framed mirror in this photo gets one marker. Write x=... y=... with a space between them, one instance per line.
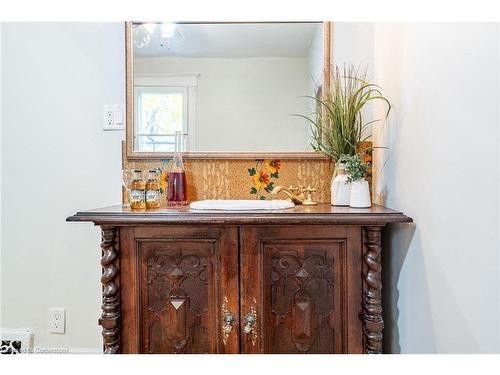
x=230 y=87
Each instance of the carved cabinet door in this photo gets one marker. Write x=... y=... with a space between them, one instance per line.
x=180 y=289
x=301 y=289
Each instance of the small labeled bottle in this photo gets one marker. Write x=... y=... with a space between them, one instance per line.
x=153 y=190
x=137 y=191
x=176 y=180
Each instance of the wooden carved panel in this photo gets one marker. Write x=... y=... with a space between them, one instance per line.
x=178 y=288
x=175 y=280
x=305 y=283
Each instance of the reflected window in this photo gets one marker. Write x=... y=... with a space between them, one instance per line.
x=160 y=112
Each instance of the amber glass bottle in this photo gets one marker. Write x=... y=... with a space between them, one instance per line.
x=137 y=191
x=153 y=190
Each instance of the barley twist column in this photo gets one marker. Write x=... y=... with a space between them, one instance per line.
x=110 y=317
x=373 y=324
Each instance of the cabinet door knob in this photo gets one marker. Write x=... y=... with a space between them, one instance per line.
x=250 y=323
x=227 y=321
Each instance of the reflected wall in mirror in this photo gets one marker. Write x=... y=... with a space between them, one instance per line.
x=229 y=87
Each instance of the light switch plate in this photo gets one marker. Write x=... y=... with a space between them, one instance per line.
x=113 y=117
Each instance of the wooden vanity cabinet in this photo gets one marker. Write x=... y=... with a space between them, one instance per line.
x=305 y=280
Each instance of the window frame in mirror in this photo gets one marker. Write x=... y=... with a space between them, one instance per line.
x=131 y=154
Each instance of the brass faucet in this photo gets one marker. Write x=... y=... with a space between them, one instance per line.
x=298 y=195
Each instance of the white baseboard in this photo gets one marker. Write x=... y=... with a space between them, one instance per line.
x=85 y=351
x=38 y=350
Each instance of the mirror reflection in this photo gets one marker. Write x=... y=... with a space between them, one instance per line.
x=228 y=87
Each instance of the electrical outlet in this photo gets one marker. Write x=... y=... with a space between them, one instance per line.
x=109 y=118
x=113 y=117
x=57 y=320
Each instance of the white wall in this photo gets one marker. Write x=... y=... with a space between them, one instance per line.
x=56 y=160
x=353 y=45
x=442 y=169
x=244 y=104
x=0 y=166
x=498 y=154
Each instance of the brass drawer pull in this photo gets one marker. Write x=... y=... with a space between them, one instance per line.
x=250 y=323
x=227 y=321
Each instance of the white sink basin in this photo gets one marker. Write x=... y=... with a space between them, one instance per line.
x=241 y=205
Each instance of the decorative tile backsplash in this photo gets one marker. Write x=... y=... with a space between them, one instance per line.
x=246 y=179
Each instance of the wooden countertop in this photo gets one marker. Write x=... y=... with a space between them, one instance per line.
x=320 y=214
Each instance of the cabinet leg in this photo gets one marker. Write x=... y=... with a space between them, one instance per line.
x=110 y=279
x=373 y=324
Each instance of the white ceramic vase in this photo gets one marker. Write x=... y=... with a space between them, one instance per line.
x=360 y=194
x=340 y=190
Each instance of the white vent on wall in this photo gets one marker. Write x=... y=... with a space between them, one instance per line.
x=15 y=341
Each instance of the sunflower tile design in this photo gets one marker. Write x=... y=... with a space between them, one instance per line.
x=263 y=174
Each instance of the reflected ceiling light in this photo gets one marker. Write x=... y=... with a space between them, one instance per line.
x=150 y=27
x=167 y=29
